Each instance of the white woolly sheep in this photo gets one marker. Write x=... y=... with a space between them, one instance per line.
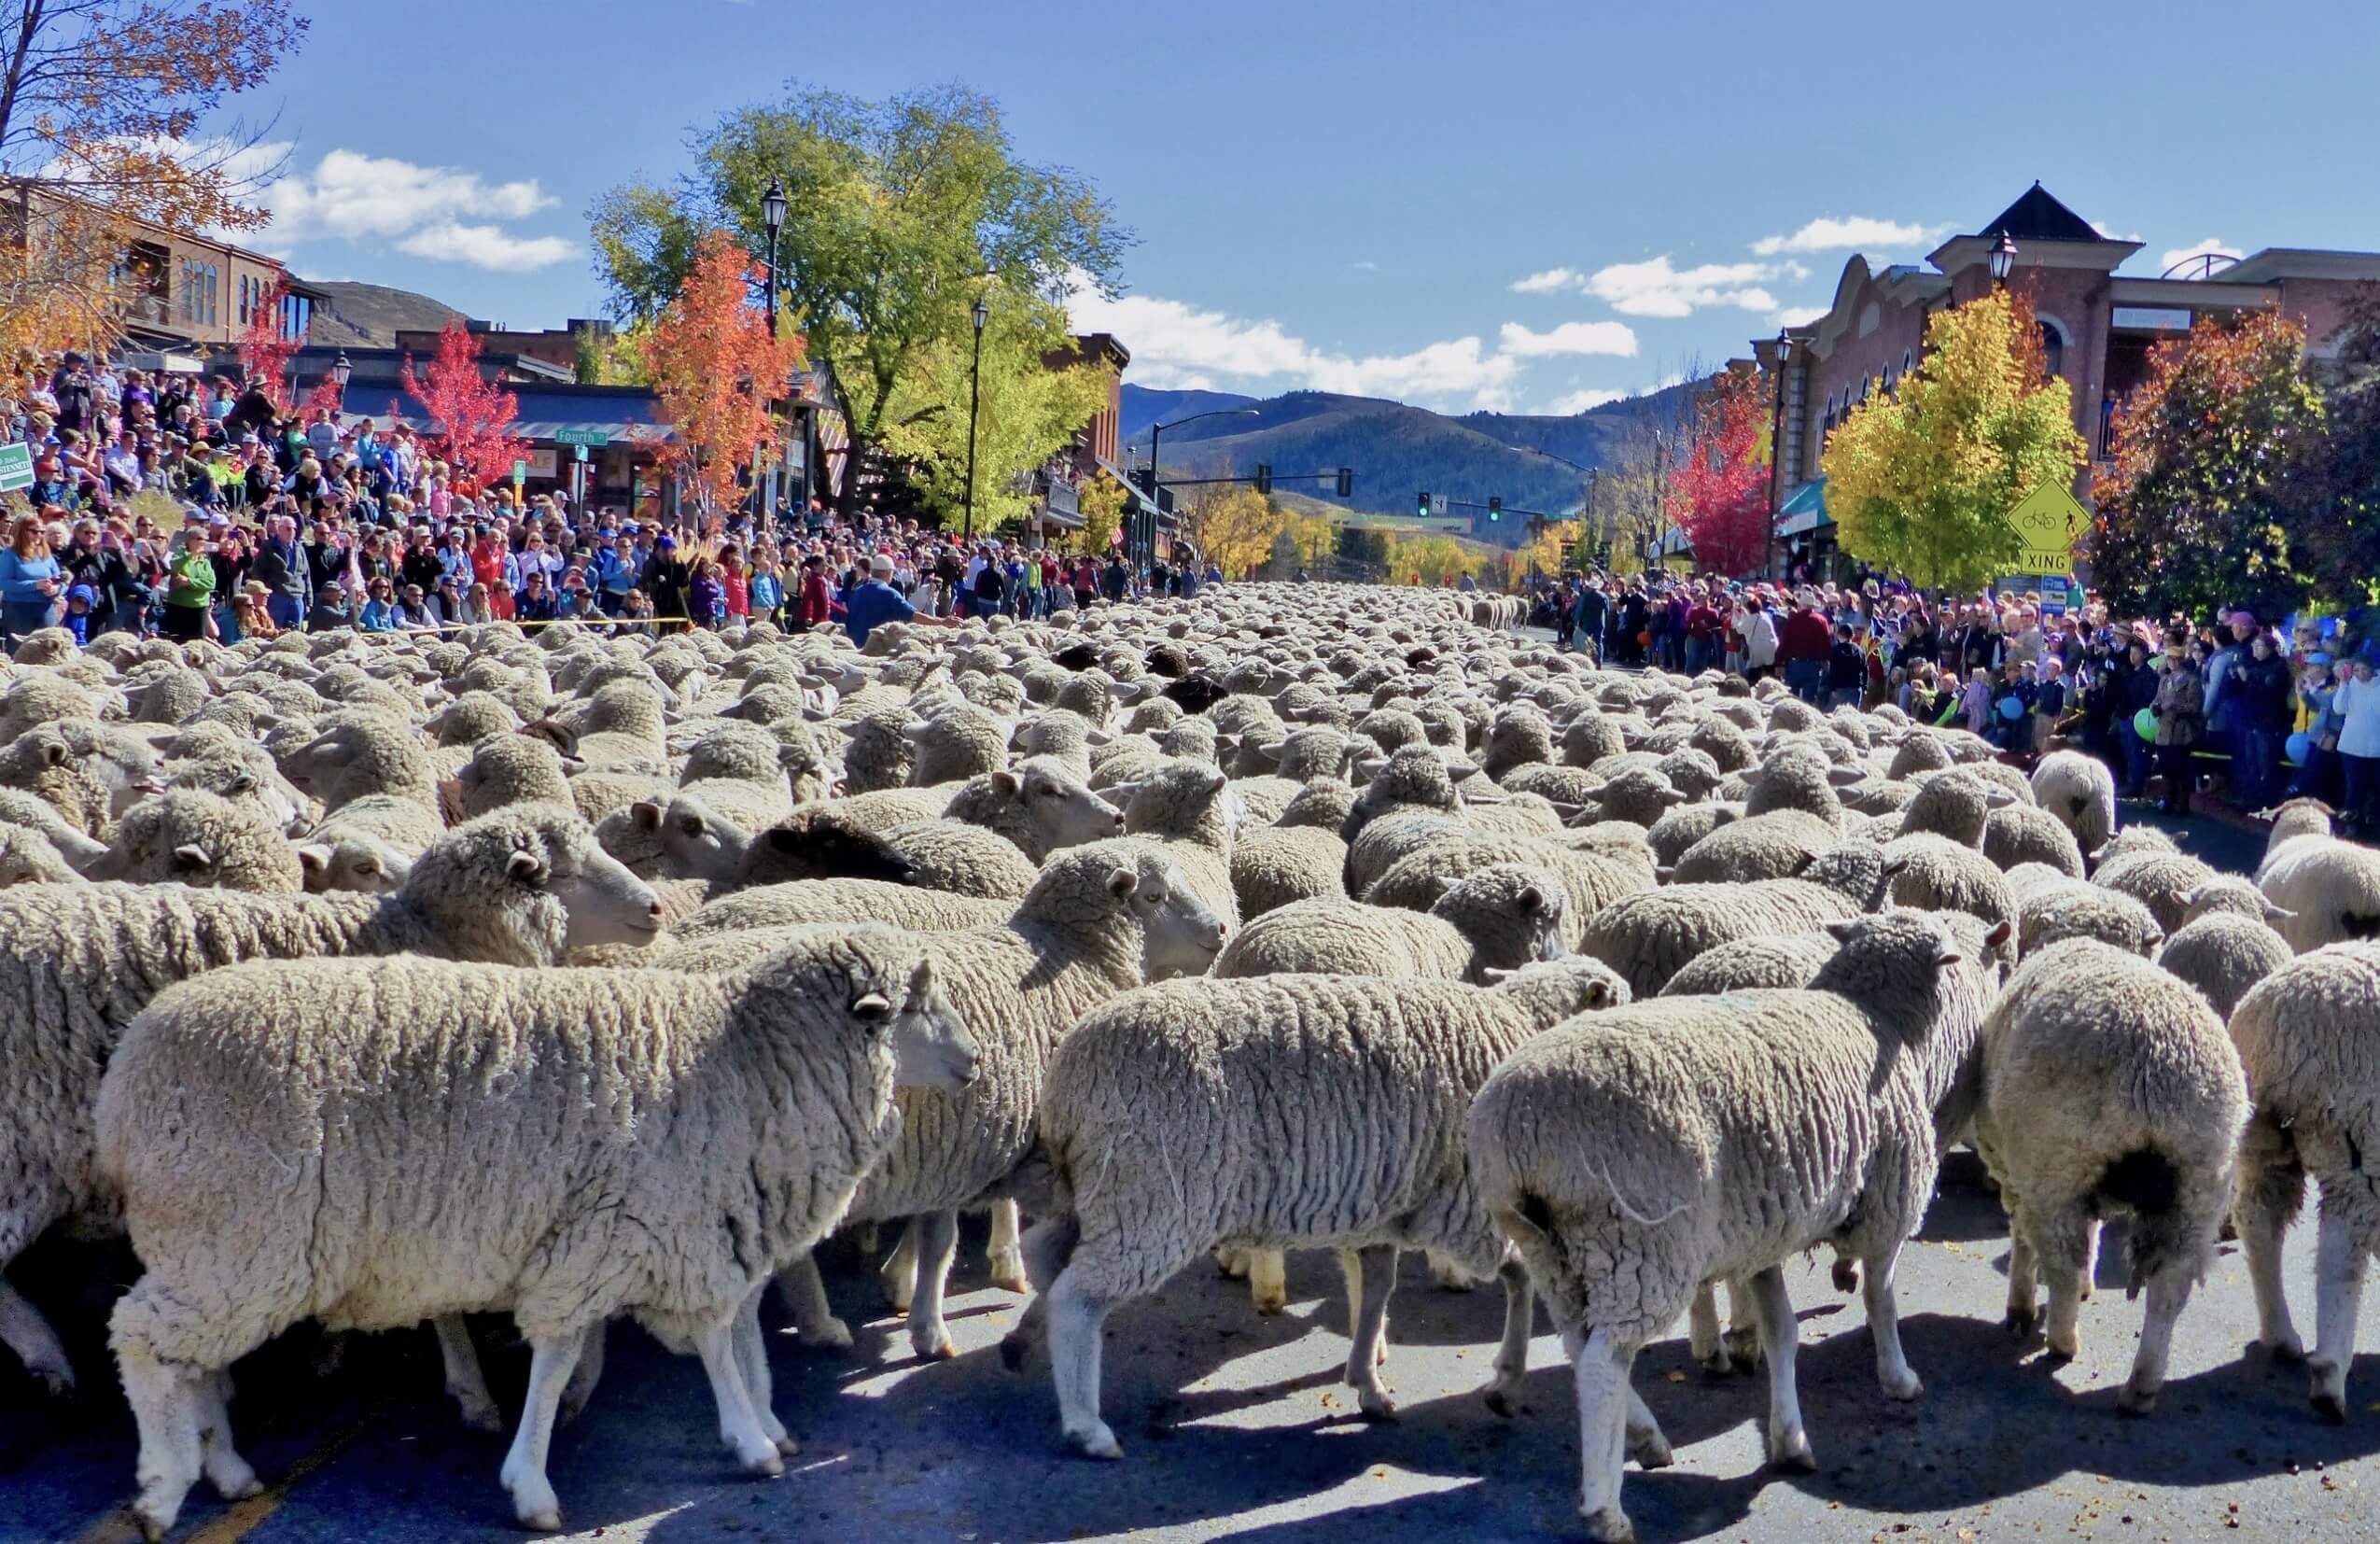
x=2108 y=1087
x=19 y=808
x=1649 y=937
x=2162 y=881
x=2224 y=954
x=2023 y=834
x=962 y=859
x=1634 y=1155
x=198 y=839
x=1494 y=918
x=730 y=1167
x=2079 y=793
x=520 y=887
x=2305 y=1037
x=2331 y=888
x=1953 y=805
x=841 y=900
x=1160 y=1108
x=27 y=858
x=1775 y=845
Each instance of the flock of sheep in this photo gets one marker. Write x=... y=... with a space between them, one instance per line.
x=369 y=983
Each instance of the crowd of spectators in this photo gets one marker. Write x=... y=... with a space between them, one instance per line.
x=187 y=506
x=2266 y=707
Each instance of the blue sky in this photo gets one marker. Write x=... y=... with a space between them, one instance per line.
x=1522 y=206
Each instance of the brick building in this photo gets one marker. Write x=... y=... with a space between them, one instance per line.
x=2097 y=328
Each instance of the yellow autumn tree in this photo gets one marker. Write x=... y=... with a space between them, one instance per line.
x=107 y=121
x=1920 y=480
x=1102 y=503
x=1235 y=526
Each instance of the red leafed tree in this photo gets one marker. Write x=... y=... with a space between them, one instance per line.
x=264 y=353
x=715 y=369
x=1718 y=493
x=470 y=413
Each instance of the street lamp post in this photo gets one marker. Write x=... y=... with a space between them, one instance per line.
x=1156 y=430
x=341 y=371
x=2003 y=260
x=975 y=402
x=772 y=219
x=1776 y=456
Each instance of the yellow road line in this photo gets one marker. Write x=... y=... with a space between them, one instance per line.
x=241 y=1518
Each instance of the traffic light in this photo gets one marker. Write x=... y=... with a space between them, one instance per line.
x=1495 y=508
x=1347 y=482
x=1424 y=498
x=1264 y=479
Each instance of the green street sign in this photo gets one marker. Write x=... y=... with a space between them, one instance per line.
x=594 y=437
x=520 y=472
x=16 y=467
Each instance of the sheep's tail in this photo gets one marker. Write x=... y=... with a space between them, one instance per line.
x=2146 y=1183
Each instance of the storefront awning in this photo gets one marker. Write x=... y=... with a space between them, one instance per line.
x=1806 y=510
x=545 y=417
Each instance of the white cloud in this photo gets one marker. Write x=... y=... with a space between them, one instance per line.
x=487 y=247
x=1801 y=315
x=1364 y=265
x=351 y=195
x=1654 y=288
x=2107 y=231
x=1569 y=338
x=1829 y=235
x=1548 y=282
x=2195 y=249
x=1579 y=402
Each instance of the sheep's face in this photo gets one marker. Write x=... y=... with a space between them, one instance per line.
x=932 y=1048
x=601 y=901
x=355 y=863
x=1060 y=810
x=1179 y=936
x=27 y=858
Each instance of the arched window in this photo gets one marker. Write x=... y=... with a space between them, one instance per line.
x=2054 y=347
x=1907 y=362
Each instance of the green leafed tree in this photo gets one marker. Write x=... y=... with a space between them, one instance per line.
x=1920 y=480
x=1029 y=410
x=2343 y=542
x=896 y=213
x=2206 y=504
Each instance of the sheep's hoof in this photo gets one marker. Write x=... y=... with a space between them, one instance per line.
x=933 y=1344
x=2135 y=1398
x=2022 y=1322
x=545 y=1521
x=1375 y=1404
x=1743 y=1349
x=1650 y=1449
x=1097 y=1443
x=1610 y=1526
x=1847 y=1275
x=534 y=1503
x=1013 y=1348
x=2067 y=1351
x=1009 y=1275
x=1790 y=1451
x=1502 y=1400
x=476 y=1410
x=2329 y=1403
x=768 y=1463
x=1270 y=1305
x=1907 y=1386
x=57 y=1379
x=830 y=1334
x=788 y=1447
x=2289 y=1348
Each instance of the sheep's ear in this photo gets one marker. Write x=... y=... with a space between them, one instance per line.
x=1007 y=784
x=1217 y=784
x=1446 y=883
x=784 y=839
x=525 y=865
x=921 y=979
x=1532 y=901
x=1892 y=867
x=1999 y=798
x=645 y=815
x=315 y=858
x=1664 y=873
x=1842 y=927
x=1947 y=953
x=1122 y=882
x=1843 y=777
x=1460 y=771
x=1997 y=936
x=191 y=855
x=1599 y=993
x=53 y=753
x=871 y=1007
x=1496 y=976
x=1271 y=750
x=2277 y=914
x=1098 y=736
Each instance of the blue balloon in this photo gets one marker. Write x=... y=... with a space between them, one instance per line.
x=2011 y=707
x=2300 y=747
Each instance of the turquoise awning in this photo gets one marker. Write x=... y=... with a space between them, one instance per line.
x=1806 y=510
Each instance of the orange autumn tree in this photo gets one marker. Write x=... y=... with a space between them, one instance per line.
x=715 y=369
x=108 y=123
x=265 y=350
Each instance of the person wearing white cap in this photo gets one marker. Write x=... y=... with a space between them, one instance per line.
x=876 y=602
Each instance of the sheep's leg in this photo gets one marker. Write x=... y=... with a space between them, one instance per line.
x=739 y=1424
x=1077 y=1320
x=2168 y=1295
x=2024 y=1281
x=1370 y=1279
x=1006 y=1257
x=1703 y=1339
x=2339 y=1258
x=466 y=1384
x=1600 y=1369
x=760 y=1385
x=1788 y=1445
x=1512 y=1351
x=588 y=1372
x=1645 y=1442
x=1449 y=1276
x=1744 y=1327
x=1018 y=1342
x=937 y=1241
x=164 y=1401
x=2270 y=1195
x=805 y=1293
x=898 y=1275
x=224 y=1470
x=2090 y=1271
x=522 y=1475
x=24 y=1331
x=2061 y=1245
x=1893 y=1371
x=1268 y=1280
x=1232 y=1261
